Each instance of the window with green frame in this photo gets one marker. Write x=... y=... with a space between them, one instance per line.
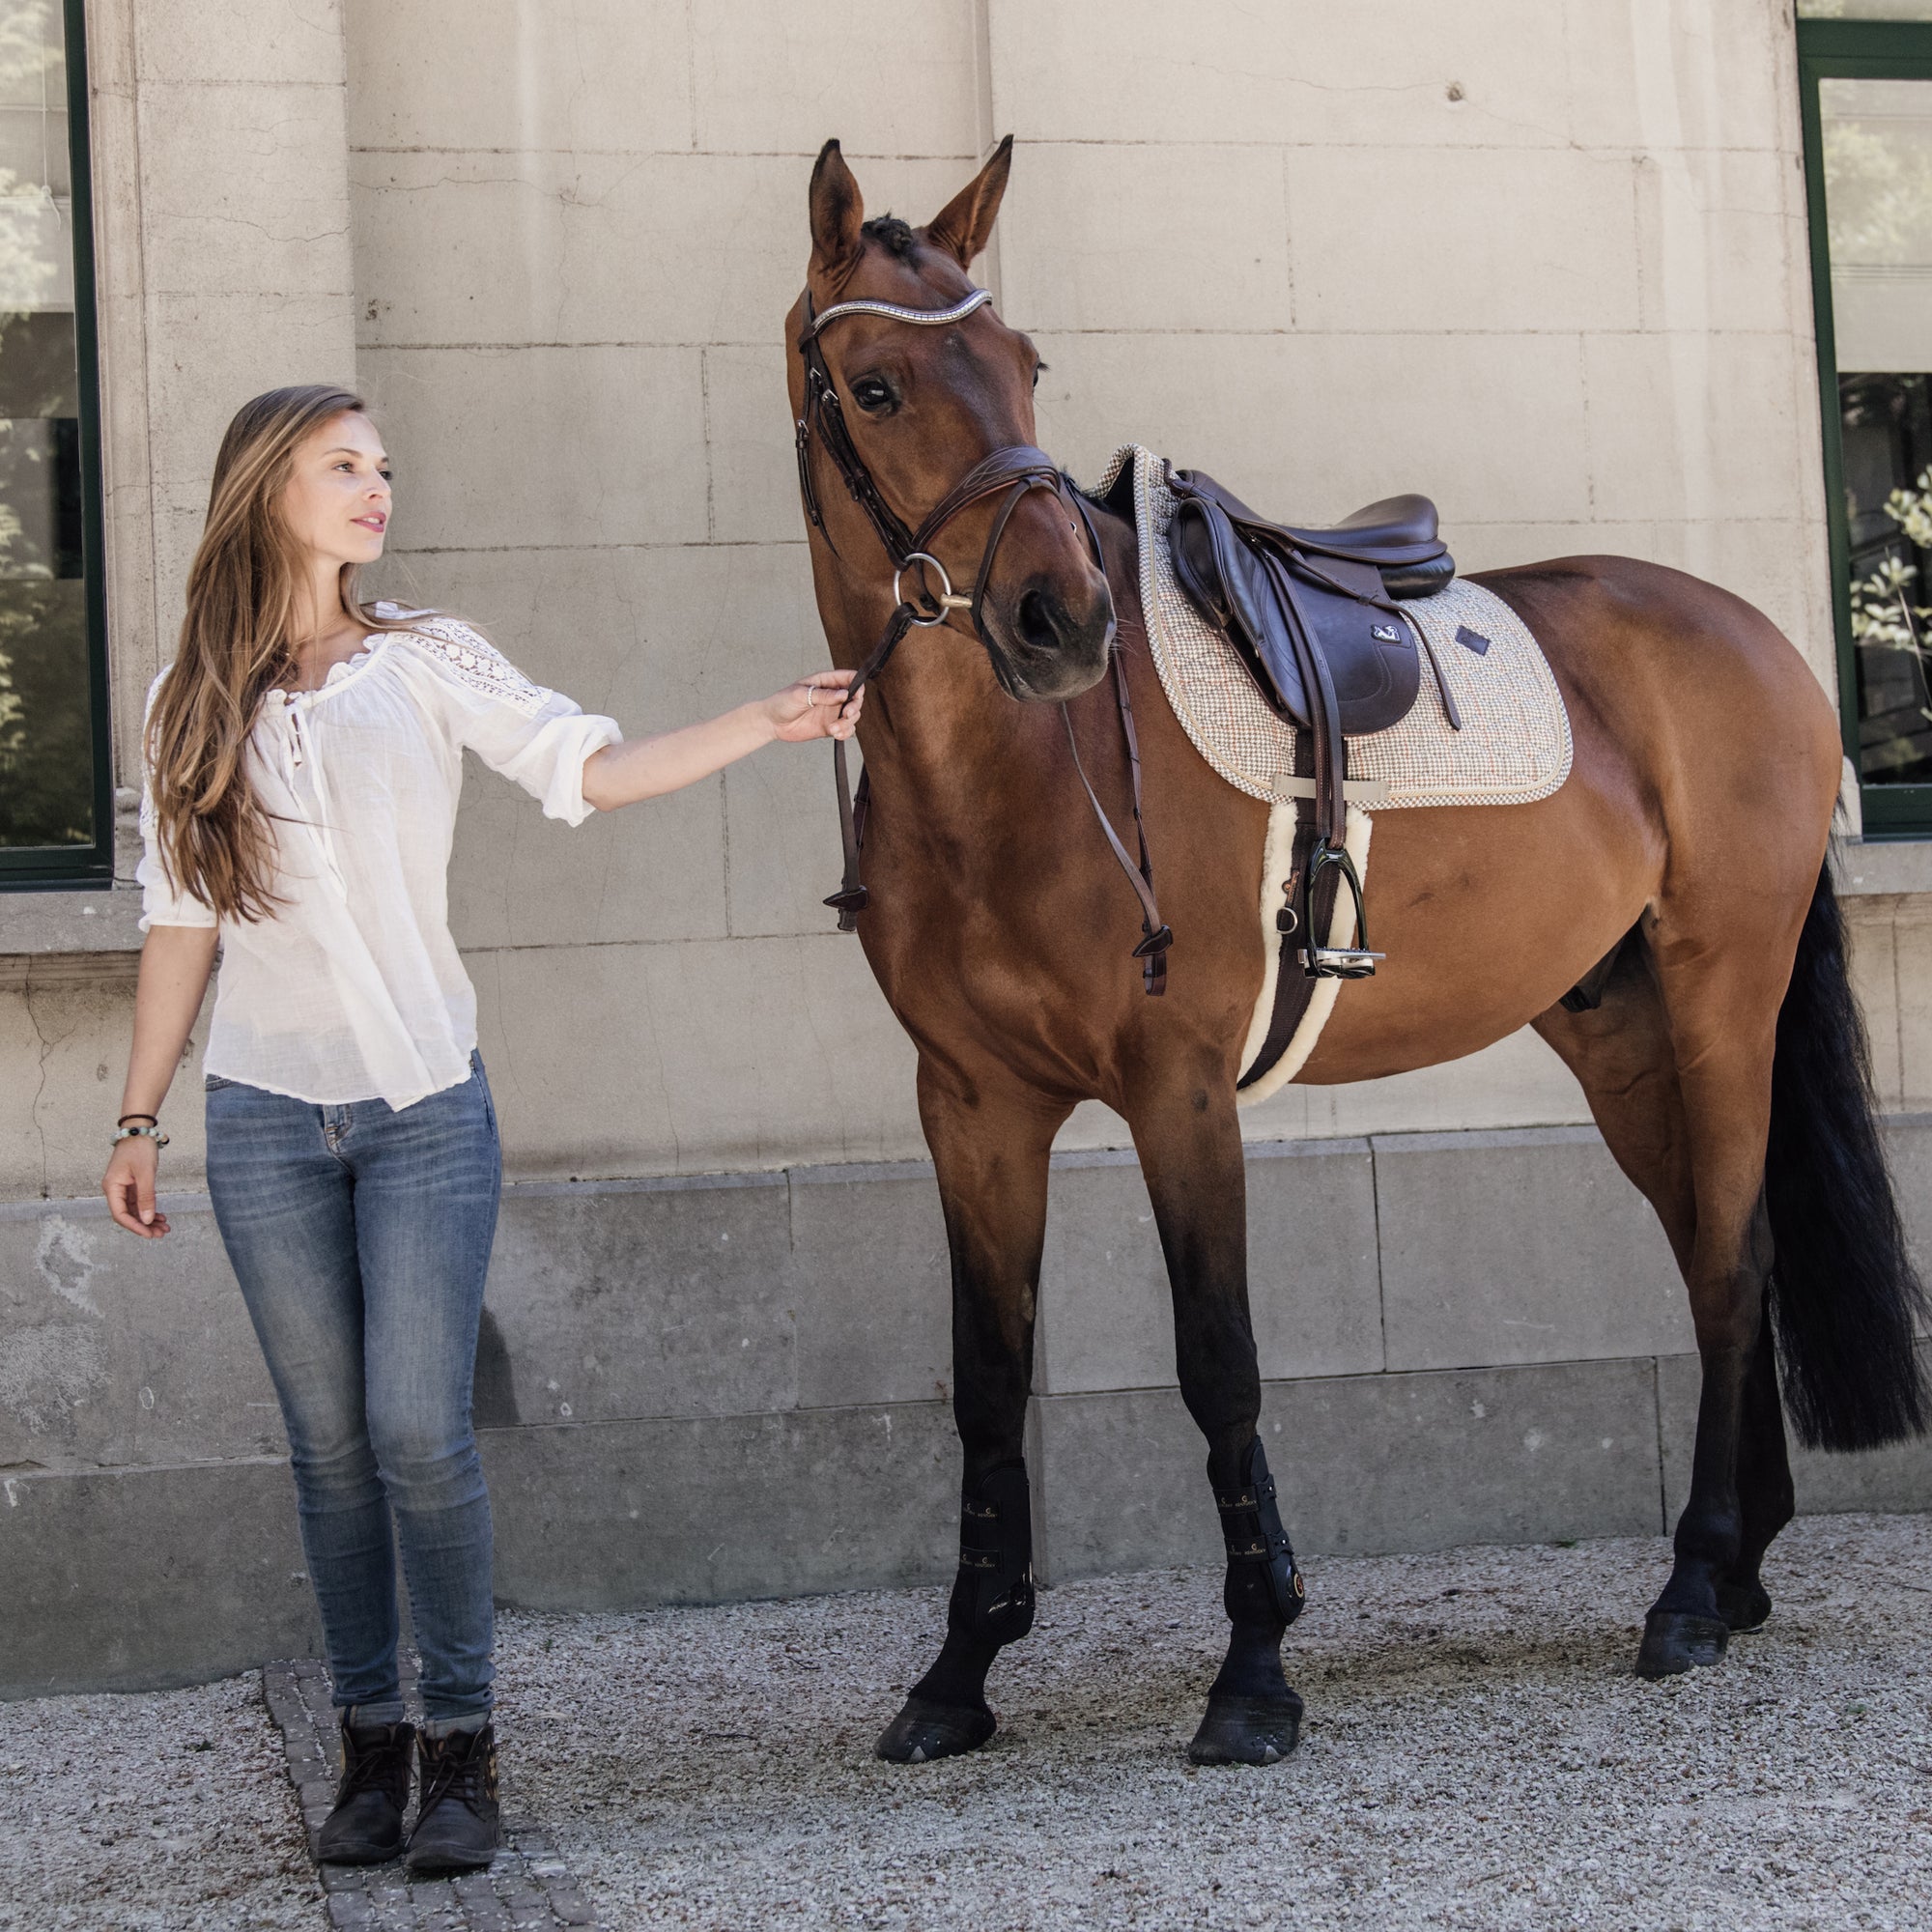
x=56 y=802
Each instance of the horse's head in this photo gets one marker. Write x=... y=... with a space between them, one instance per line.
x=922 y=405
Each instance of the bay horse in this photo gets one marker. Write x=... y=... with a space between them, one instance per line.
x=1681 y=868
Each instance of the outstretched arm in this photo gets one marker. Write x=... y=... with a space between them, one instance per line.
x=815 y=707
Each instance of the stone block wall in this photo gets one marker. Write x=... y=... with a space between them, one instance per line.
x=1543 y=259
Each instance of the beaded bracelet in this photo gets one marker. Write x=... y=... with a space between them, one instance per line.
x=153 y=1133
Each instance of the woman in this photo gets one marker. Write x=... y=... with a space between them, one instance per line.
x=303 y=761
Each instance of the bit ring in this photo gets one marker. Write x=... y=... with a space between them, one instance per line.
x=948 y=599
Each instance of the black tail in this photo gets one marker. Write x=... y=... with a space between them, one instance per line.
x=1843 y=1291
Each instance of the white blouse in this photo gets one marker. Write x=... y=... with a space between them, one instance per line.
x=352 y=989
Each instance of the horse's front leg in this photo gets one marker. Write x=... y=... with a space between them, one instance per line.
x=1189 y=1141
x=990 y=1139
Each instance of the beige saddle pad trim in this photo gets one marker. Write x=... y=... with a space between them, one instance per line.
x=1280 y=856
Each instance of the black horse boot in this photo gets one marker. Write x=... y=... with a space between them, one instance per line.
x=1253 y=1717
x=991 y=1606
x=366 y=1825
x=457 y=1824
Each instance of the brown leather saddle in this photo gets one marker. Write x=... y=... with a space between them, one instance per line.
x=1263 y=583
x=1315 y=615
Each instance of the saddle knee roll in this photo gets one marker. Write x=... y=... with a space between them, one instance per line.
x=1262 y=1574
x=993 y=1593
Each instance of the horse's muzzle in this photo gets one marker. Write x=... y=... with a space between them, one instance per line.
x=1044 y=651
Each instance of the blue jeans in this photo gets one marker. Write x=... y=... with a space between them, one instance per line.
x=360 y=1237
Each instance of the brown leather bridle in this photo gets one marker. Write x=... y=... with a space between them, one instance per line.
x=1012 y=474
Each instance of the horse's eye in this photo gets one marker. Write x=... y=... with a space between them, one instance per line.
x=1038 y=369
x=873 y=394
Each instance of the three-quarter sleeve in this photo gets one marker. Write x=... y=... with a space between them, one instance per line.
x=538 y=737
x=162 y=901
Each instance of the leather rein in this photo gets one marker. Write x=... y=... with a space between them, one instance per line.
x=1012 y=474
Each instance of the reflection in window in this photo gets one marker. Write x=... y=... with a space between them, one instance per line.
x=46 y=741
x=1878 y=192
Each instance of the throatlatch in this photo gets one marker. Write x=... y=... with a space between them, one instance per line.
x=993 y=1594
x=1261 y=1563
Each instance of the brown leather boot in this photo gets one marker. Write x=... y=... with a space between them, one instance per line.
x=366 y=1825
x=457 y=1827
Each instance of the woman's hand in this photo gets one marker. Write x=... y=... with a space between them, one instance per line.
x=815 y=707
x=129 y=1187
x=177 y=962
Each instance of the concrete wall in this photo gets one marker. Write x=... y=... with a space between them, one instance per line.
x=695 y=1388
x=1544 y=259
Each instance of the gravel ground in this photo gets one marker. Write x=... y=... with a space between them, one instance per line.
x=170 y=1812
x=1477 y=1754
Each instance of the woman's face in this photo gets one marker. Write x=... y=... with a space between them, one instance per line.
x=337 y=498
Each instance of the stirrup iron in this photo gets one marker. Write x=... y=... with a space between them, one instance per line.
x=1335 y=963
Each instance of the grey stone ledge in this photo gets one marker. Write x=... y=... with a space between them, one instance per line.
x=102 y=919
x=852 y=1173
x=650 y=1183
x=1867 y=867
x=1479 y=1140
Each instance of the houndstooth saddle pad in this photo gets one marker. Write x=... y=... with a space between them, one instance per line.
x=1514 y=746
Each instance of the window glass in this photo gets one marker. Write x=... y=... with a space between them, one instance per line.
x=1877 y=137
x=47 y=731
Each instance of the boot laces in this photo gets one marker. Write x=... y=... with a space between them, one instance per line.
x=458 y=1771
x=371 y=1767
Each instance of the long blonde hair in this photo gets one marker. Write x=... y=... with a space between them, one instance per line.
x=236 y=643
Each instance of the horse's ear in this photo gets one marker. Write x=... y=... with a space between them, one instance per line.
x=965 y=224
x=837 y=209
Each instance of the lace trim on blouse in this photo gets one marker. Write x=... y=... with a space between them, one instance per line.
x=477 y=661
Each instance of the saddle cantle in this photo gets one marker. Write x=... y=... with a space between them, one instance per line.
x=1263 y=583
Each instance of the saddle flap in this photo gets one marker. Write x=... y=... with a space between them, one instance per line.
x=1229 y=583
x=1371 y=653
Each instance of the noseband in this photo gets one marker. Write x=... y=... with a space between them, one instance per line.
x=1012 y=474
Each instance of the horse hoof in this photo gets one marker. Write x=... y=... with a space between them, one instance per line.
x=923 y=1732
x=1674 y=1642
x=1744 y=1606
x=1247 y=1730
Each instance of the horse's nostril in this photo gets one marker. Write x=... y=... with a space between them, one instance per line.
x=1036 y=621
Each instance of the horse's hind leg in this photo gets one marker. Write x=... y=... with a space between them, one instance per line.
x=990 y=1142
x=1693 y=1144
x=1189 y=1141
x=1765 y=1499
